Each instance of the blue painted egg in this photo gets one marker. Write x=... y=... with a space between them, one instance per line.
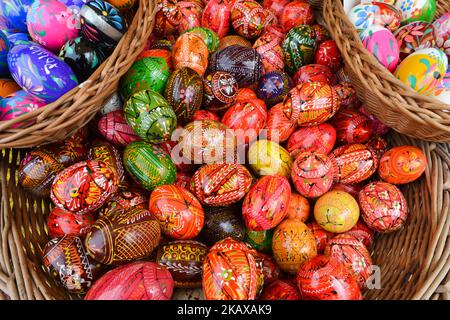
x=14 y=13
x=4 y=71
x=274 y=86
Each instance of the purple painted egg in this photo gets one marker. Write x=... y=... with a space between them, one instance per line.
x=17 y=104
x=13 y=14
x=274 y=86
x=382 y=44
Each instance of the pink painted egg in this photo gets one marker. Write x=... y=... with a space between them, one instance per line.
x=17 y=104
x=442 y=33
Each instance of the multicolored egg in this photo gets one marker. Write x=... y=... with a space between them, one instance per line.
x=417 y=10
x=107 y=153
x=220 y=91
x=280 y=290
x=158 y=53
x=314 y=73
x=442 y=33
x=125 y=200
x=114 y=127
x=14 y=13
x=351 y=127
x=298 y=208
x=274 y=86
x=322 y=33
x=61 y=222
x=320 y=138
x=296 y=13
x=190 y=51
x=217 y=16
x=259 y=240
x=414 y=36
x=18 y=104
x=248 y=18
x=279 y=127
x=366 y=15
x=168 y=18
x=209 y=37
x=299 y=47
x=269 y=158
x=221 y=223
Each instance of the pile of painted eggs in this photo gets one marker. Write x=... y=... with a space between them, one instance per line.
x=410 y=40
x=48 y=47
x=221 y=171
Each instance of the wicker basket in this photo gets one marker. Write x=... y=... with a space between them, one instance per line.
x=393 y=102
x=72 y=111
x=414 y=262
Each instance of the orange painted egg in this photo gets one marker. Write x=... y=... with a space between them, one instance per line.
x=7 y=86
x=351 y=127
x=319 y=139
x=299 y=207
x=336 y=211
x=292 y=244
x=279 y=127
x=296 y=13
x=190 y=51
x=179 y=213
x=321 y=235
x=384 y=206
x=401 y=165
x=269 y=48
x=167 y=18
x=248 y=18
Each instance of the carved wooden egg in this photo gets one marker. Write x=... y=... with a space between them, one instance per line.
x=179 y=213
x=292 y=244
x=351 y=127
x=221 y=223
x=274 y=86
x=299 y=47
x=107 y=153
x=320 y=138
x=184 y=260
x=384 y=207
x=296 y=13
x=314 y=73
x=220 y=90
x=362 y=233
x=299 y=207
x=84 y=187
x=269 y=158
x=123 y=237
x=279 y=126
x=114 y=127
x=221 y=184
x=190 y=51
x=280 y=290
x=133 y=281
x=217 y=16
x=259 y=240
x=125 y=200
x=266 y=204
x=248 y=18
x=61 y=222
x=321 y=235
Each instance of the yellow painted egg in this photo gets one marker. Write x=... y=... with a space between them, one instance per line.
x=269 y=158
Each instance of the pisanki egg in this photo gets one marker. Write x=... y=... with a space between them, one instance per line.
x=321 y=235
x=17 y=104
x=320 y=138
x=296 y=13
x=7 y=87
x=269 y=158
x=107 y=153
x=209 y=37
x=191 y=16
x=220 y=91
x=248 y=18
x=114 y=127
x=190 y=51
x=328 y=54
x=442 y=33
x=417 y=10
x=217 y=16
x=61 y=222
x=14 y=13
x=276 y=6
x=222 y=222
x=369 y=14
x=423 y=70
x=314 y=73
x=298 y=207
x=279 y=126
x=351 y=127
x=259 y=240
x=269 y=48
x=280 y=290
x=414 y=36
x=299 y=47
x=322 y=33
x=168 y=17
x=158 y=53
x=274 y=86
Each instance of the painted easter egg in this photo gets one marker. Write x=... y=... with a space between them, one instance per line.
x=158 y=53
x=220 y=90
x=414 y=36
x=49 y=77
x=320 y=138
x=442 y=33
x=205 y=115
x=279 y=127
x=314 y=73
x=299 y=47
x=378 y=127
x=353 y=163
x=4 y=48
x=347 y=95
x=102 y=23
x=366 y=15
x=298 y=208
x=125 y=200
x=111 y=104
x=269 y=158
x=66 y=260
x=233 y=40
x=351 y=127
x=245 y=94
x=296 y=13
x=18 y=104
x=209 y=37
x=149 y=165
x=420 y=10
x=221 y=223
x=401 y=165
x=248 y=18
x=168 y=18
x=114 y=127
x=269 y=48
x=188 y=294
x=378 y=144
x=191 y=16
x=183 y=179
x=274 y=86
x=276 y=6
x=266 y=204
x=51 y=24
x=383 y=206
x=107 y=153
x=336 y=211
x=312 y=174
x=190 y=51
x=184 y=260
x=171 y=147
x=328 y=54
x=134 y=281
x=259 y=240
x=362 y=233
x=217 y=16
x=221 y=184
x=322 y=33
x=14 y=13
x=423 y=70
x=321 y=235
x=271 y=271
x=7 y=87
x=61 y=222
x=326 y=278
x=311 y=103
x=280 y=290
x=150 y=116
x=243 y=63
x=293 y=244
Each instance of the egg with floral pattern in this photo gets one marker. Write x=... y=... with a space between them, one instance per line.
x=190 y=51
x=366 y=15
x=416 y=10
x=320 y=138
x=18 y=104
x=442 y=33
x=380 y=42
x=414 y=36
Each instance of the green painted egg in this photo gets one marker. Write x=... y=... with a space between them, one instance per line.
x=209 y=37
x=147 y=73
x=299 y=47
x=150 y=116
x=260 y=240
x=149 y=165
x=417 y=10
x=184 y=92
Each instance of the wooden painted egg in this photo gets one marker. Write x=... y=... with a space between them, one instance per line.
x=384 y=206
x=158 y=53
x=274 y=86
x=102 y=24
x=353 y=189
x=320 y=138
x=420 y=10
x=123 y=237
x=347 y=94
x=184 y=260
x=271 y=270
x=259 y=240
x=382 y=44
x=336 y=211
x=279 y=127
x=314 y=73
x=414 y=36
x=293 y=244
x=221 y=184
x=322 y=33
x=17 y=104
x=248 y=18
x=269 y=48
x=107 y=153
x=233 y=40
x=378 y=144
x=247 y=118
x=167 y=18
x=269 y=158
x=217 y=16
x=276 y=6
x=149 y=165
x=114 y=127
x=188 y=294
x=39 y=167
x=442 y=33
x=326 y=278
x=220 y=90
x=66 y=260
x=14 y=13
x=311 y=103
x=231 y=272
x=209 y=37
x=61 y=222
x=146 y=73
x=133 y=281
x=423 y=70
x=353 y=163
x=191 y=16
x=245 y=94
x=351 y=127
x=321 y=235
x=179 y=213
x=312 y=174
x=111 y=104
x=243 y=63
x=298 y=208
x=150 y=116
x=183 y=180
x=328 y=54
x=299 y=47
x=205 y=115
x=366 y=15
x=84 y=187
x=125 y=200
x=221 y=223
x=378 y=127
x=362 y=233
x=7 y=87
x=401 y=165
x=171 y=147
x=190 y=51
x=266 y=204
x=296 y=13
x=280 y=290
x=272 y=33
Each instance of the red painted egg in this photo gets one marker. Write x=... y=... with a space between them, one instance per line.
x=319 y=139
x=351 y=127
x=276 y=6
x=217 y=16
x=133 y=281
x=401 y=165
x=279 y=127
x=378 y=144
x=325 y=278
x=205 y=115
x=191 y=15
x=314 y=73
x=248 y=18
x=84 y=187
x=266 y=204
x=322 y=34
x=363 y=233
x=107 y=153
x=347 y=95
x=384 y=206
x=299 y=207
x=179 y=213
x=125 y=200
x=172 y=148
x=353 y=189
x=321 y=235
x=158 y=53
x=328 y=54
x=271 y=270
x=190 y=51
x=312 y=174
x=245 y=94
x=353 y=163
x=61 y=222
x=272 y=33
x=167 y=17
x=220 y=91
x=114 y=127
x=378 y=127
x=296 y=13
x=280 y=290
x=183 y=180
x=269 y=48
